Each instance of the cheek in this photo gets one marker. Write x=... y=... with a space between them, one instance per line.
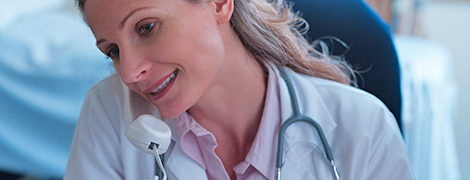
x=192 y=34
x=199 y=52
x=204 y=49
x=191 y=41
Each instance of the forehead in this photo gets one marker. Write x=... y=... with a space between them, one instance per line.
x=114 y=10
x=104 y=14
x=120 y=4
x=104 y=6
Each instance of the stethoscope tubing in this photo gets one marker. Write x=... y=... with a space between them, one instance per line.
x=297 y=117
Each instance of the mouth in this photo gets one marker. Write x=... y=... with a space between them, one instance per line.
x=165 y=83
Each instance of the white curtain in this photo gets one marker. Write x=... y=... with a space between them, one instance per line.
x=429 y=100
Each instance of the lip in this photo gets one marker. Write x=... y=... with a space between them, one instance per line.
x=156 y=84
x=164 y=91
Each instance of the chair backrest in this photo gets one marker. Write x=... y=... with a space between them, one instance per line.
x=371 y=47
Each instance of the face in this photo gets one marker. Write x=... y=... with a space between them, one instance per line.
x=168 y=51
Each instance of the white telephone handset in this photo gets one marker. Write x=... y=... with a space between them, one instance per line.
x=147 y=132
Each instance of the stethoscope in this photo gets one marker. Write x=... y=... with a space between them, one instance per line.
x=296 y=117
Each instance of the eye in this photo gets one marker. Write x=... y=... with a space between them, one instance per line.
x=114 y=53
x=146 y=28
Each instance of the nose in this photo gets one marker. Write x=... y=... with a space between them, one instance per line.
x=134 y=67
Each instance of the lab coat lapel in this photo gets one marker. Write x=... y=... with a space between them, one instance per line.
x=301 y=139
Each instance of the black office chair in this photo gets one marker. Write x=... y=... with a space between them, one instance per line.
x=371 y=48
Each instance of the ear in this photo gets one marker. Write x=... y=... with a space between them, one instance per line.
x=223 y=10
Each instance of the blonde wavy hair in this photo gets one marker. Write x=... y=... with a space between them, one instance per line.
x=272 y=32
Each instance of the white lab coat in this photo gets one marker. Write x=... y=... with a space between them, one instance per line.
x=363 y=135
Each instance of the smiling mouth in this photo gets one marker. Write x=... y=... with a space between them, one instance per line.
x=165 y=83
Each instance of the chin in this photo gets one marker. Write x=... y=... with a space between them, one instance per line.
x=176 y=106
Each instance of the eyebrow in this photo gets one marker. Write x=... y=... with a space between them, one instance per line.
x=130 y=14
x=121 y=25
x=100 y=41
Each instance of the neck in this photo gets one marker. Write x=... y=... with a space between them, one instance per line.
x=235 y=103
x=232 y=107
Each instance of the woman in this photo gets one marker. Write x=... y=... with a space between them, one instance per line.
x=210 y=68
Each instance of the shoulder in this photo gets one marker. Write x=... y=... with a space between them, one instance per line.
x=335 y=94
x=107 y=93
x=349 y=106
x=360 y=130
x=100 y=149
x=103 y=104
x=96 y=130
x=102 y=110
x=109 y=85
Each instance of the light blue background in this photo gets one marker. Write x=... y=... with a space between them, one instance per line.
x=48 y=60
